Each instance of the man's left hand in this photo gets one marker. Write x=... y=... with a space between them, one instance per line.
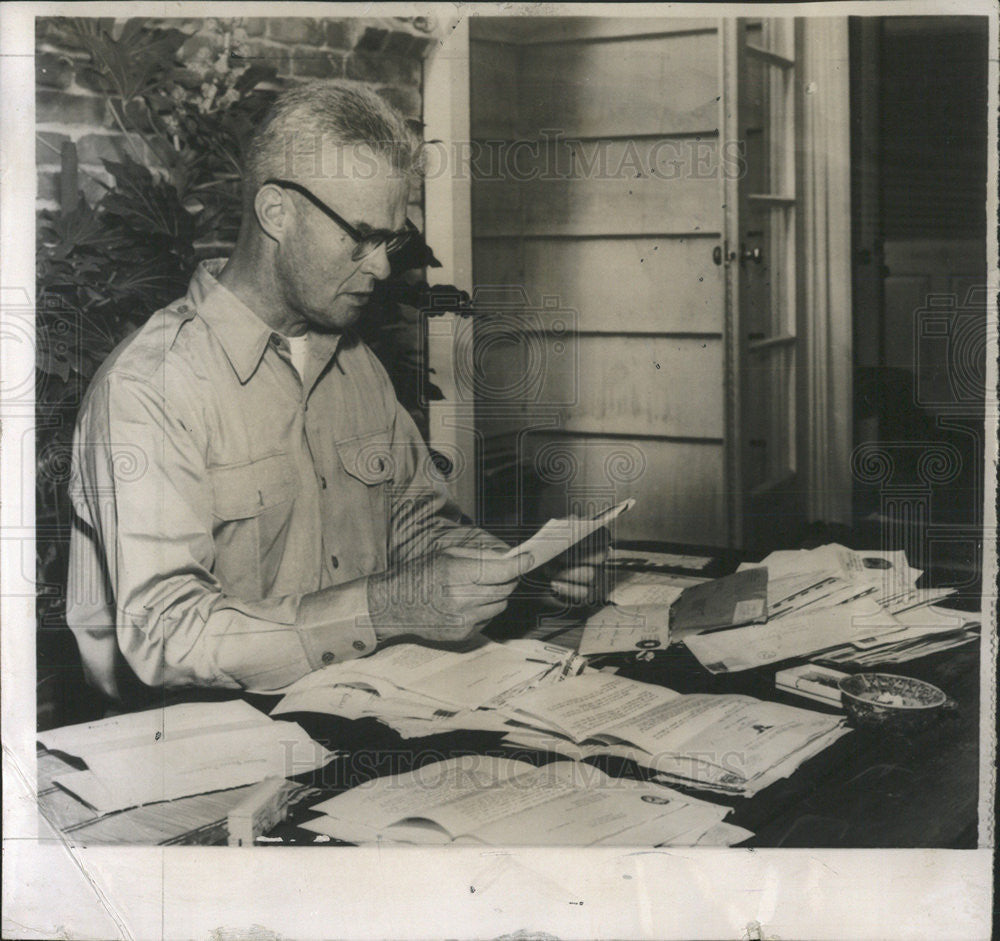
x=578 y=575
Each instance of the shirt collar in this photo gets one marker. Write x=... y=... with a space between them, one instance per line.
x=241 y=333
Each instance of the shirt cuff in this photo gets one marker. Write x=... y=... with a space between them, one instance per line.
x=334 y=624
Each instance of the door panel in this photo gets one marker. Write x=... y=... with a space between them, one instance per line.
x=678 y=486
x=672 y=84
x=601 y=204
x=614 y=187
x=635 y=167
x=640 y=285
x=493 y=93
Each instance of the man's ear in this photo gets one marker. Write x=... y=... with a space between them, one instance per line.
x=270 y=208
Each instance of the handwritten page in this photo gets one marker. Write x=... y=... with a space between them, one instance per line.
x=556 y=536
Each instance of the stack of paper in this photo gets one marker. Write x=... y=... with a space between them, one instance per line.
x=193 y=748
x=926 y=630
x=498 y=801
x=421 y=691
x=862 y=607
x=649 y=610
x=729 y=744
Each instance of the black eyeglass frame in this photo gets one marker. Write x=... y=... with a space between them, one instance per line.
x=364 y=244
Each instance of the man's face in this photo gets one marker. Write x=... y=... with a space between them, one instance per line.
x=319 y=280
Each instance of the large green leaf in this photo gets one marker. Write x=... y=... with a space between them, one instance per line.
x=141 y=59
x=146 y=205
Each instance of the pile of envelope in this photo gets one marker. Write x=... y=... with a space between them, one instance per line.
x=842 y=604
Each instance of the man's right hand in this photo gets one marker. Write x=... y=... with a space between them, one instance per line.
x=447 y=596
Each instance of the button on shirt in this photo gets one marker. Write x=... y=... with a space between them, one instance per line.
x=217 y=491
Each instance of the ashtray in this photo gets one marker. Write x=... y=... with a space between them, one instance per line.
x=886 y=700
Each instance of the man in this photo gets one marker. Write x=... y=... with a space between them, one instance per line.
x=253 y=503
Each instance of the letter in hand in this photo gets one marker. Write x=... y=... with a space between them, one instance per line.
x=445 y=597
x=578 y=576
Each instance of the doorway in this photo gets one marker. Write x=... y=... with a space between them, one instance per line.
x=919 y=137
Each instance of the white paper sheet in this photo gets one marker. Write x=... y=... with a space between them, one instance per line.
x=724 y=834
x=556 y=536
x=618 y=629
x=562 y=803
x=153 y=725
x=717 y=740
x=591 y=703
x=645 y=588
x=455 y=680
x=352 y=832
x=173 y=768
x=383 y=801
x=558 y=811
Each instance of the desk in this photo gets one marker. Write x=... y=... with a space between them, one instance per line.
x=869 y=789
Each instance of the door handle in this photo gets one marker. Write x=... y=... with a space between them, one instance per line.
x=717 y=255
x=755 y=255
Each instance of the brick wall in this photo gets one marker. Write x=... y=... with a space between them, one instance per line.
x=385 y=53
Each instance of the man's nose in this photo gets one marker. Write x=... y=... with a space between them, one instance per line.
x=377 y=264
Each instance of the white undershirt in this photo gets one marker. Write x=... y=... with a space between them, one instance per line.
x=298 y=348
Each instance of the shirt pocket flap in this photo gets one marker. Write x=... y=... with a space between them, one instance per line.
x=368 y=457
x=242 y=491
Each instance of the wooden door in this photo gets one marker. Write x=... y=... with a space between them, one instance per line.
x=600 y=369
x=621 y=169
x=759 y=255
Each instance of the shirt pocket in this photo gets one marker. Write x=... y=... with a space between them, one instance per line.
x=368 y=460
x=252 y=505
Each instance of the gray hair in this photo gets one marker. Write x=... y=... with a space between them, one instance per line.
x=307 y=124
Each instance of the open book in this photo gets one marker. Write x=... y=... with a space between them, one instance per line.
x=500 y=801
x=731 y=743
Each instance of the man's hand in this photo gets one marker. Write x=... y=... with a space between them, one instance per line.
x=578 y=575
x=443 y=597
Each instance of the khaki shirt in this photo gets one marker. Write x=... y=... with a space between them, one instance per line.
x=216 y=491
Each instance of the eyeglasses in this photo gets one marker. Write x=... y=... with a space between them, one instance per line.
x=366 y=242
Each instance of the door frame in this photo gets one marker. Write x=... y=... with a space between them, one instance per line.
x=448 y=228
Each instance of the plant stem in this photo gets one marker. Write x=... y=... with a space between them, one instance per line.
x=139 y=155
